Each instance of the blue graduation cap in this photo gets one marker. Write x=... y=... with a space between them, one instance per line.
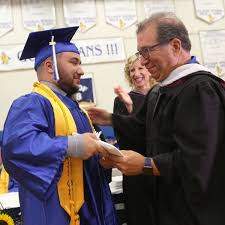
x=43 y=44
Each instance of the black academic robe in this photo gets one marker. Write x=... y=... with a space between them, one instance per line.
x=136 y=204
x=185 y=137
x=120 y=108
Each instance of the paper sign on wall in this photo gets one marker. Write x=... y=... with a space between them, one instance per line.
x=213 y=45
x=154 y=6
x=6 y=23
x=208 y=10
x=38 y=14
x=120 y=14
x=91 y=51
x=80 y=13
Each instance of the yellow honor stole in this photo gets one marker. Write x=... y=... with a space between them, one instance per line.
x=70 y=186
x=4 y=181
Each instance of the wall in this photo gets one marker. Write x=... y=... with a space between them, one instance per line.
x=106 y=75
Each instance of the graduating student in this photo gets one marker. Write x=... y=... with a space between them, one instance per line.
x=183 y=126
x=48 y=144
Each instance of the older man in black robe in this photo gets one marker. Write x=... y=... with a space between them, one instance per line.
x=183 y=126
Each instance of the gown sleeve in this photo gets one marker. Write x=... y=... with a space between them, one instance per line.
x=133 y=125
x=119 y=107
x=134 y=141
x=31 y=153
x=198 y=136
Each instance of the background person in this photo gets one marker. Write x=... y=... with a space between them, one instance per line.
x=140 y=80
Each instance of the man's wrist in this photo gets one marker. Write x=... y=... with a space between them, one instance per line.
x=155 y=169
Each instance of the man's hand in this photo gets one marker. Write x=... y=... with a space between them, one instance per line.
x=106 y=163
x=131 y=164
x=99 y=116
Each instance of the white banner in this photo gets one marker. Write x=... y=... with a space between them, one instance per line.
x=91 y=51
x=9 y=58
x=38 y=14
x=208 y=10
x=120 y=14
x=213 y=45
x=154 y=6
x=6 y=23
x=101 y=50
x=80 y=13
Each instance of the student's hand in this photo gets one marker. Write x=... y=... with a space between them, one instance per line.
x=99 y=116
x=92 y=147
x=132 y=163
x=124 y=97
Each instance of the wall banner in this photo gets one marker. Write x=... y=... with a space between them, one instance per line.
x=38 y=14
x=209 y=11
x=6 y=22
x=91 y=51
x=154 y=6
x=121 y=14
x=213 y=45
x=80 y=13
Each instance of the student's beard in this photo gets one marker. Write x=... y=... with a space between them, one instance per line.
x=70 y=90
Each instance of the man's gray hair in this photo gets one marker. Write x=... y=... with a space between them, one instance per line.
x=168 y=26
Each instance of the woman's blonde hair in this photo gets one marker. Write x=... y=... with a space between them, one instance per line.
x=130 y=61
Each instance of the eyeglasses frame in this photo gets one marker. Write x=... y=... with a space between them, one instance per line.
x=149 y=49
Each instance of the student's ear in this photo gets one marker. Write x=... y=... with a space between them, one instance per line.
x=49 y=66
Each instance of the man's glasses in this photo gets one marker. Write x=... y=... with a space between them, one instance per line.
x=146 y=51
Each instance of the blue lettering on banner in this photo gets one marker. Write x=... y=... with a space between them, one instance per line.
x=112 y=49
x=91 y=50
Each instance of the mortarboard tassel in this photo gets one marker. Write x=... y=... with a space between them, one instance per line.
x=53 y=43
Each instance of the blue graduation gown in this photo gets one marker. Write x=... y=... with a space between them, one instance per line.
x=13 y=185
x=34 y=157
